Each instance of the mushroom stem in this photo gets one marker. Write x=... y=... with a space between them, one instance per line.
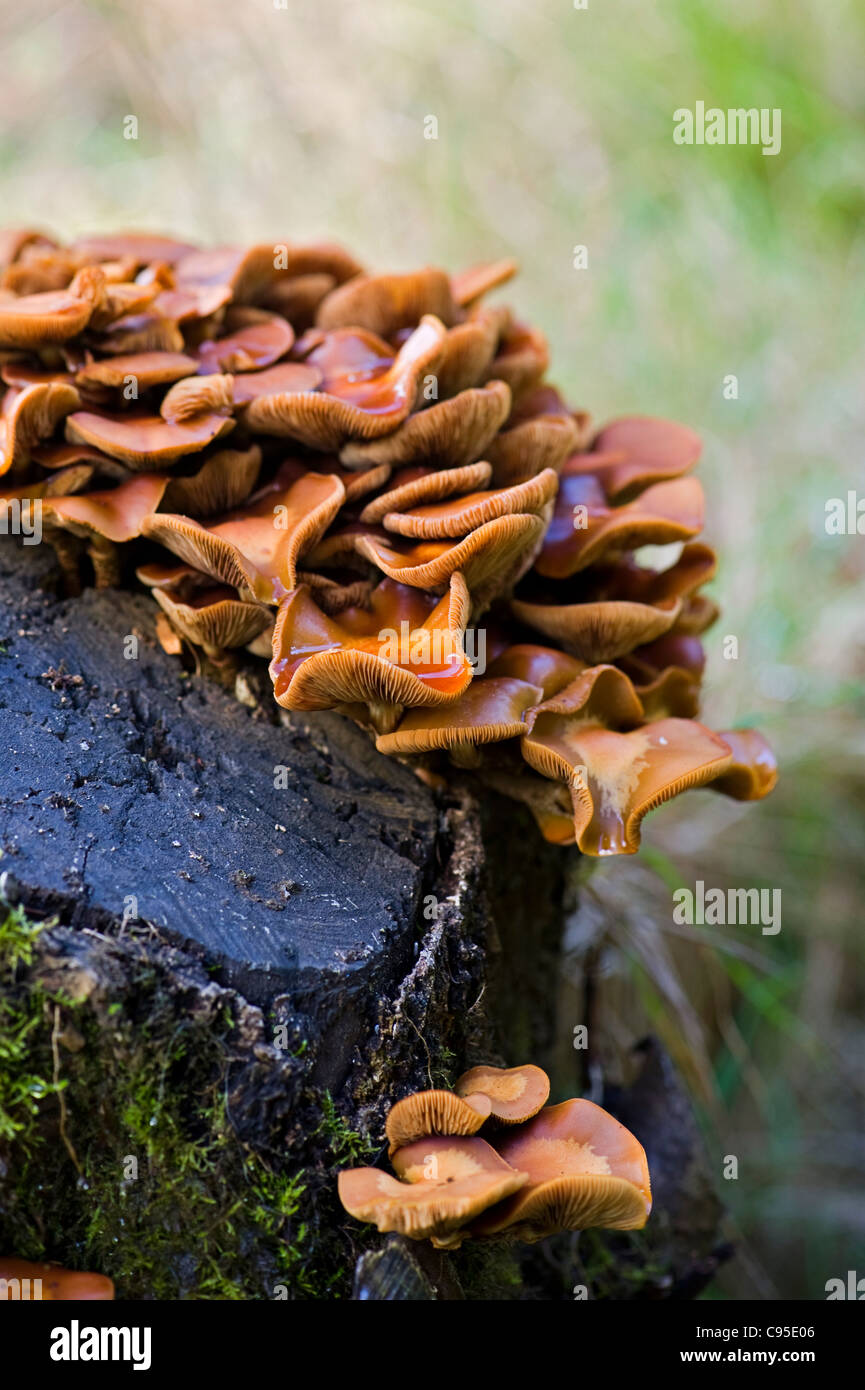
x=68 y=551
x=466 y=755
x=384 y=717
x=105 y=558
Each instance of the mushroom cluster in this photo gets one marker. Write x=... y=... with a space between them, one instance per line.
x=368 y=480
x=539 y=1169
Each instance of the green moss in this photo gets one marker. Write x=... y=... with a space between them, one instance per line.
x=347 y=1145
x=153 y=1186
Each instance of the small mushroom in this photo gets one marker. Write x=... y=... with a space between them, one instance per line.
x=584 y=1168
x=585 y=529
x=105 y=521
x=325 y=420
x=256 y=547
x=143 y=441
x=383 y=304
x=434 y=1112
x=58 y=1285
x=211 y=616
x=629 y=455
x=403 y=649
x=451 y=433
x=515 y=1093
x=489 y=711
x=447 y=1182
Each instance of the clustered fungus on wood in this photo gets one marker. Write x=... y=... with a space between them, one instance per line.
x=368 y=479
x=538 y=1169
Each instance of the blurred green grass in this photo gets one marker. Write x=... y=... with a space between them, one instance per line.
x=555 y=129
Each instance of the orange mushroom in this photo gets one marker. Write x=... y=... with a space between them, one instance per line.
x=39 y=1280
x=434 y=1112
x=584 y=1169
x=403 y=649
x=515 y=1093
x=256 y=547
x=446 y=1183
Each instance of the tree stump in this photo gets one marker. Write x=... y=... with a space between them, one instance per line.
x=253 y=933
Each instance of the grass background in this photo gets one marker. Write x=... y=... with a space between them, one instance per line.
x=555 y=130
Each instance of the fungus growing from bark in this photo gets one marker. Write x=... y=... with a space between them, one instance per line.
x=435 y=1112
x=409 y=519
x=584 y=1169
x=442 y=1185
x=538 y=1171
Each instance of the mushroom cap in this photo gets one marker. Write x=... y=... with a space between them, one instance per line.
x=30 y=415
x=492 y=558
x=459 y=516
x=53 y=316
x=527 y=447
x=666 y=512
x=224 y=480
x=282 y=378
x=410 y=486
x=515 y=1093
x=117 y=514
x=144 y=441
x=546 y=667
x=148 y=369
x=522 y=359
x=384 y=304
x=628 y=455
x=143 y=247
x=58 y=1285
x=255 y=339
x=448 y=434
x=447 y=1182
x=255 y=548
x=489 y=711
x=208 y=615
x=434 y=1112
x=403 y=649
x=325 y=420
x=585 y=1169
x=616 y=778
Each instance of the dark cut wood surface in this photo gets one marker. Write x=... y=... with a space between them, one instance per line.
x=129 y=778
